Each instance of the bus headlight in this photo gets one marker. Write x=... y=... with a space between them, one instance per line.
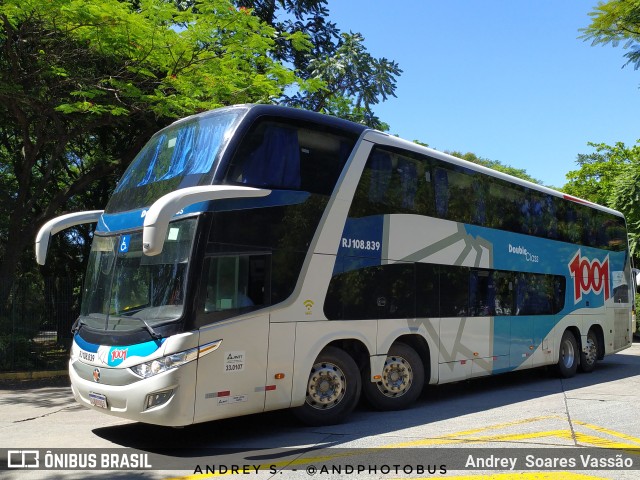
x=160 y=365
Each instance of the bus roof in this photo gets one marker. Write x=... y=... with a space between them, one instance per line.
x=253 y=111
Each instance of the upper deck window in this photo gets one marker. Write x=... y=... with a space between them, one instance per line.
x=399 y=181
x=291 y=156
x=182 y=155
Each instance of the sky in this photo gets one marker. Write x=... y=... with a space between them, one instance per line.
x=508 y=80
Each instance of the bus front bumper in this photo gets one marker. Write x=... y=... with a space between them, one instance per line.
x=163 y=399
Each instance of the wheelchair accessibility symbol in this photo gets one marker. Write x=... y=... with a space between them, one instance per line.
x=124 y=243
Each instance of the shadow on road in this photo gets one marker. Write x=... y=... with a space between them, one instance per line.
x=273 y=430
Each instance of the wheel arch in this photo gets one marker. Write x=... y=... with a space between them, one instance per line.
x=576 y=334
x=354 y=347
x=421 y=346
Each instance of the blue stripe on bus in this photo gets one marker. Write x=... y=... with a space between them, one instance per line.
x=274 y=199
x=117 y=355
x=360 y=244
x=134 y=219
x=84 y=345
x=115 y=222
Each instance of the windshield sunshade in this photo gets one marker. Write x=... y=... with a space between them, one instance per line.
x=183 y=155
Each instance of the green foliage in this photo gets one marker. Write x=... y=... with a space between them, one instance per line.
x=353 y=82
x=610 y=176
x=625 y=196
x=341 y=77
x=616 y=22
x=84 y=84
x=598 y=172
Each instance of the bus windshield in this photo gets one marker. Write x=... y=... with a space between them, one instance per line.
x=182 y=155
x=126 y=290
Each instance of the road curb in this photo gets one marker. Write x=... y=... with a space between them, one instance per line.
x=32 y=375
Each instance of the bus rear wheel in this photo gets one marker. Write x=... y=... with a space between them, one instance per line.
x=402 y=380
x=589 y=354
x=333 y=389
x=568 y=361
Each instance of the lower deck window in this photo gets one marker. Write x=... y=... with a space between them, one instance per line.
x=419 y=290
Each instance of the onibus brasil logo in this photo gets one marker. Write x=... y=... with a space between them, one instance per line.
x=589 y=276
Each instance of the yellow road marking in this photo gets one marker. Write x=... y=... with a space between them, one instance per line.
x=525 y=476
x=610 y=432
x=471 y=437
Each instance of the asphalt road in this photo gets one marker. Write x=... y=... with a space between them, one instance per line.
x=518 y=412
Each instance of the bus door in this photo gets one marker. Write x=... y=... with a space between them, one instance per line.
x=231 y=381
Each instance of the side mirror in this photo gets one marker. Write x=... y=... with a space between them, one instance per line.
x=57 y=224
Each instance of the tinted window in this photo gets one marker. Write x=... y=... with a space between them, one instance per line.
x=427 y=290
x=539 y=294
x=277 y=154
x=384 y=291
x=454 y=291
x=387 y=291
x=490 y=293
x=397 y=181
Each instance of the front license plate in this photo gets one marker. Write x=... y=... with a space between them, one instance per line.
x=98 y=400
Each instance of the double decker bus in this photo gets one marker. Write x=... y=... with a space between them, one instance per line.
x=256 y=257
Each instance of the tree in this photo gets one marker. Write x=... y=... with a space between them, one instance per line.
x=616 y=22
x=610 y=176
x=84 y=83
x=598 y=172
x=344 y=79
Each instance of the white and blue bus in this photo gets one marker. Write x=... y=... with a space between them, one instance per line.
x=256 y=257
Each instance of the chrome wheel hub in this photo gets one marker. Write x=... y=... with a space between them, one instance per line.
x=591 y=351
x=326 y=387
x=397 y=377
x=568 y=354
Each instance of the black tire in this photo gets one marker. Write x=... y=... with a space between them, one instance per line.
x=333 y=389
x=402 y=380
x=568 y=359
x=589 y=358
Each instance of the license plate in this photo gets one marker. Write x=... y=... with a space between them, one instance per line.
x=98 y=400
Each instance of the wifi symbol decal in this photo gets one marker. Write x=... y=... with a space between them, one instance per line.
x=308 y=305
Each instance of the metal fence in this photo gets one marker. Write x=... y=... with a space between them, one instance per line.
x=35 y=323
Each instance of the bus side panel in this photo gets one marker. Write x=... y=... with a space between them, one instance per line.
x=312 y=337
x=465 y=338
x=282 y=337
x=454 y=371
x=232 y=380
x=466 y=344
x=522 y=345
x=622 y=335
x=544 y=343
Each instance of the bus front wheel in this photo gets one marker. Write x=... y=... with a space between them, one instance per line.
x=568 y=361
x=333 y=389
x=401 y=381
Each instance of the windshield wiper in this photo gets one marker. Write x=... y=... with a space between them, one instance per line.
x=77 y=325
x=155 y=335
